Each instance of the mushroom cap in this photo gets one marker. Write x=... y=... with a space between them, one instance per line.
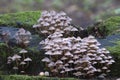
x=75 y=57
x=27 y=59
x=89 y=54
x=94 y=63
x=23 y=51
x=109 y=63
x=67 y=69
x=102 y=55
x=102 y=61
x=99 y=70
x=77 y=51
x=78 y=68
x=62 y=72
x=46 y=59
x=68 y=54
x=104 y=67
x=74 y=29
x=47 y=47
x=70 y=61
x=92 y=41
x=58 y=62
x=57 y=53
x=22 y=63
x=22 y=71
x=112 y=61
x=9 y=58
x=66 y=64
x=91 y=37
x=48 y=52
x=44 y=31
x=46 y=73
x=109 y=57
x=16 y=57
x=63 y=58
x=41 y=73
x=98 y=58
x=51 y=64
x=83 y=50
x=93 y=46
x=15 y=68
x=86 y=68
x=26 y=42
x=42 y=42
x=65 y=48
x=36 y=26
x=78 y=39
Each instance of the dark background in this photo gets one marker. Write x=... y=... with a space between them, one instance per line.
x=83 y=12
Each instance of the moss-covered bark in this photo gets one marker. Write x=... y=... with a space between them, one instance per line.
x=106 y=27
x=21 y=19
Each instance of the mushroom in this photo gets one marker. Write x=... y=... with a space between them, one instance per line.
x=49 y=53
x=104 y=67
x=16 y=57
x=15 y=68
x=59 y=62
x=51 y=64
x=27 y=59
x=23 y=51
x=46 y=73
x=46 y=60
x=22 y=63
x=41 y=73
x=71 y=61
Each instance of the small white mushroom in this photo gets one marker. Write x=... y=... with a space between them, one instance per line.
x=41 y=73
x=104 y=67
x=59 y=62
x=46 y=73
x=46 y=59
x=23 y=51
x=68 y=54
x=22 y=63
x=16 y=57
x=15 y=68
x=71 y=61
x=62 y=72
x=27 y=59
x=64 y=58
x=66 y=64
x=51 y=64
x=49 y=53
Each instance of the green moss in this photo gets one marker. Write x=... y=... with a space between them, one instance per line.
x=25 y=77
x=21 y=19
x=107 y=27
x=112 y=24
x=115 y=52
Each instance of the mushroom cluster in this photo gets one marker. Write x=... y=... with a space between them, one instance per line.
x=5 y=36
x=91 y=59
x=20 y=61
x=70 y=55
x=23 y=37
x=84 y=57
x=59 y=54
x=51 y=21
